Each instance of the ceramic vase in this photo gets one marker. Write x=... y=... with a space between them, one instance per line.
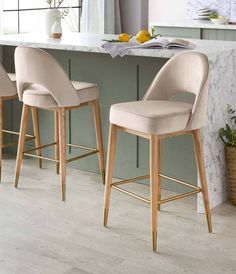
x=51 y=16
x=56 y=31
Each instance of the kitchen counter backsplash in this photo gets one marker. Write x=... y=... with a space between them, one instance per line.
x=223 y=7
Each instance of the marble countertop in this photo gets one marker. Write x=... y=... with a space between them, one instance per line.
x=92 y=43
x=188 y=23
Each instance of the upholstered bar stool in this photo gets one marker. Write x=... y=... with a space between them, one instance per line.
x=43 y=84
x=8 y=92
x=158 y=116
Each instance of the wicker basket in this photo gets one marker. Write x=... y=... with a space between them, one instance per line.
x=230 y=154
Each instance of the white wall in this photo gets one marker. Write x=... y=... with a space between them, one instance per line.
x=167 y=10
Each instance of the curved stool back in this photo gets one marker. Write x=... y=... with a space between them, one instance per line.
x=36 y=67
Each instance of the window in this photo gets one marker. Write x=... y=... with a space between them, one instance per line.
x=19 y=16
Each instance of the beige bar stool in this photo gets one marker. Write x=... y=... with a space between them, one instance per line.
x=158 y=117
x=8 y=92
x=43 y=84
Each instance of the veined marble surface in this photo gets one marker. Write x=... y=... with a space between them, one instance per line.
x=92 y=43
x=222 y=58
x=190 y=23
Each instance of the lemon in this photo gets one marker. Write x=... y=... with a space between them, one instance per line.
x=124 y=37
x=143 y=36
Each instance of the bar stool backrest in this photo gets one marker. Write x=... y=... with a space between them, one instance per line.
x=37 y=67
x=185 y=72
x=7 y=88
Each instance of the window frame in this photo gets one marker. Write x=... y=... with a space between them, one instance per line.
x=19 y=10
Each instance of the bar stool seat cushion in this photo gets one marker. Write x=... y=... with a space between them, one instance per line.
x=38 y=96
x=152 y=116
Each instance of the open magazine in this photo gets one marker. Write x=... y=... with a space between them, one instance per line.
x=121 y=49
x=161 y=42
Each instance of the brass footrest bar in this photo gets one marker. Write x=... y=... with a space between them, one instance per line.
x=170 y=199
x=166 y=200
x=177 y=197
x=179 y=181
x=41 y=157
x=81 y=156
x=14 y=143
x=41 y=147
x=131 y=194
x=16 y=133
x=132 y=180
x=81 y=147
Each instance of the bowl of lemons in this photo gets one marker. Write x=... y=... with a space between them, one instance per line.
x=218 y=19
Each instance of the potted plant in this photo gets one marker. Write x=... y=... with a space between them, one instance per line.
x=228 y=137
x=54 y=14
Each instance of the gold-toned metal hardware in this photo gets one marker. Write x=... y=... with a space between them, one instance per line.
x=209 y=223
x=103 y=175
x=82 y=147
x=131 y=180
x=131 y=194
x=16 y=133
x=37 y=148
x=179 y=181
x=105 y=216
x=81 y=156
x=163 y=201
x=177 y=197
x=154 y=241
x=41 y=157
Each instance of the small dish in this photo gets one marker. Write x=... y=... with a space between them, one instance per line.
x=220 y=21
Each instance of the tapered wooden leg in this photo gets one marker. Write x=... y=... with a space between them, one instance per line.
x=62 y=147
x=202 y=175
x=21 y=142
x=35 y=120
x=98 y=128
x=154 y=186
x=56 y=139
x=109 y=170
x=1 y=136
x=159 y=151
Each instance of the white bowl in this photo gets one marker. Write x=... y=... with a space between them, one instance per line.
x=220 y=21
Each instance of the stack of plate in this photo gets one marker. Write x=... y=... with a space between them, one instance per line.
x=203 y=13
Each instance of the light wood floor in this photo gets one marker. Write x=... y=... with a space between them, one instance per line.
x=40 y=234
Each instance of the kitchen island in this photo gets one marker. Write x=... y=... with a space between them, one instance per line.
x=126 y=79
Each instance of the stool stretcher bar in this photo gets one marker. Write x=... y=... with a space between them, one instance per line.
x=163 y=201
x=93 y=151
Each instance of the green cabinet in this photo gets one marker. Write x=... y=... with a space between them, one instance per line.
x=197 y=33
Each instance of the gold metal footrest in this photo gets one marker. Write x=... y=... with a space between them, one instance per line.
x=29 y=137
x=163 y=201
x=93 y=151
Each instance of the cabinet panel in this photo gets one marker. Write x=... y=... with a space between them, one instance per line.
x=194 y=33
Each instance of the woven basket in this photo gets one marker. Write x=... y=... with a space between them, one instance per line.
x=230 y=154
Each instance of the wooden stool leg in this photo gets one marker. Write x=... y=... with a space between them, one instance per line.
x=21 y=142
x=154 y=186
x=56 y=139
x=35 y=121
x=159 y=151
x=62 y=147
x=1 y=136
x=202 y=175
x=98 y=129
x=109 y=170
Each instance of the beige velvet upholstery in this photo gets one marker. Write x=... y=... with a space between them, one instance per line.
x=38 y=96
x=41 y=82
x=7 y=87
x=158 y=113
